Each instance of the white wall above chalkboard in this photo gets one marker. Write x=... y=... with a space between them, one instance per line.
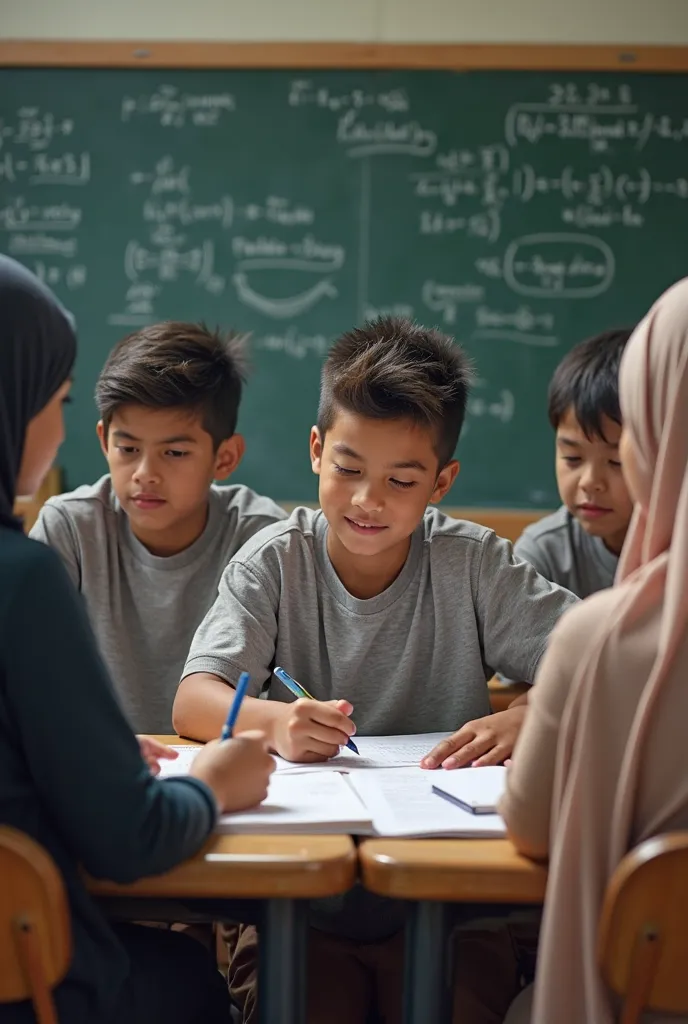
x=518 y=21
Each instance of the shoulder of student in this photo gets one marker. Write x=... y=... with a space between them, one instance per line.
x=242 y=505
x=82 y=505
x=475 y=556
x=544 y=542
x=550 y=526
x=452 y=539
x=70 y=522
x=278 y=539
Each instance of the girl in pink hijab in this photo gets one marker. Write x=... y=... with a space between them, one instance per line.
x=602 y=761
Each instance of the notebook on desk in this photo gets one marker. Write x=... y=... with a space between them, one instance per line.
x=327 y=798
x=399 y=802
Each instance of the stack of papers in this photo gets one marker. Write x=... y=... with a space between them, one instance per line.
x=352 y=795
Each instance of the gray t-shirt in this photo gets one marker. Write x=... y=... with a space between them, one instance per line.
x=415 y=658
x=145 y=609
x=560 y=549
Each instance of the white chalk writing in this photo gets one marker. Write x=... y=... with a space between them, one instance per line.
x=294 y=343
x=363 y=139
x=559 y=266
x=21 y=215
x=34 y=128
x=172 y=108
x=303 y=92
x=446 y=298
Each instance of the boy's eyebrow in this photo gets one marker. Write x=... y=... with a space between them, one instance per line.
x=570 y=443
x=124 y=435
x=343 y=449
x=410 y=464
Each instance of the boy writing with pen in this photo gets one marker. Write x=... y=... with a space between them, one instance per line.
x=385 y=609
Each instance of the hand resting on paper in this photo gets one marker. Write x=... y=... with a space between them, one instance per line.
x=153 y=752
x=488 y=740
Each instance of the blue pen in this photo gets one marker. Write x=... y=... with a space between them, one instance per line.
x=300 y=691
x=233 y=714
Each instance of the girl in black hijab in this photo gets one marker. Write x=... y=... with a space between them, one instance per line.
x=37 y=353
x=71 y=773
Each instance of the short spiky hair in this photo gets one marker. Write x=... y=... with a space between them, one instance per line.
x=176 y=365
x=392 y=368
x=587 y=381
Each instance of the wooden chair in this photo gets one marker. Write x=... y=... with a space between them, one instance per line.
x=35 y=942
x=643 y=939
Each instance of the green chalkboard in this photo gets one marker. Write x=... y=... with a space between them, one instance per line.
x=521 y=211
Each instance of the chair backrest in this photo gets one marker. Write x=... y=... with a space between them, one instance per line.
x=35 y=940
x=643 y=933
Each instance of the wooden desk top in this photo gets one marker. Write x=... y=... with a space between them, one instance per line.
x=457 y=870
x=176 y=741
x=250 y=867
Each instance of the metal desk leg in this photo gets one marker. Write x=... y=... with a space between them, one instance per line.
x=282 y=962
x=426 y=991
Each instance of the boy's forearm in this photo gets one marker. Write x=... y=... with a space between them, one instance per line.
x=201 y=706
x=262 y=715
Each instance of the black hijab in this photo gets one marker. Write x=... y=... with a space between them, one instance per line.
x=37 y=352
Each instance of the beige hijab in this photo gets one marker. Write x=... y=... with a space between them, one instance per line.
x=592 y=818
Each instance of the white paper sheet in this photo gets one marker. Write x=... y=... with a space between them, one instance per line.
x=315 y=803
x=374 y=752
x=401 y=803
x=181 y=764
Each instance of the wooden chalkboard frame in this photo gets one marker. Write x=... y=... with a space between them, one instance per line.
x=437 y=56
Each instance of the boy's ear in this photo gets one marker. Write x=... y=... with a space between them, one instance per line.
x=100 y=431
x=316 y=446
x=446 y=477
x=228 y=456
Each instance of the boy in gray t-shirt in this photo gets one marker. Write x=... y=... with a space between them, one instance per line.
x=578 y=546
x=146 y=545
x=392 y=615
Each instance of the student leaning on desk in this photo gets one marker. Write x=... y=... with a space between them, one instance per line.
x=71 y=772
x=146 y=544
x=391 y=614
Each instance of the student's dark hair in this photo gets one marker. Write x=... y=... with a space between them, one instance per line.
x=392 y=368
x=176 y=365
x=587 y=381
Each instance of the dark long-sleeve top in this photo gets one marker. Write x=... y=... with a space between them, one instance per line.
x=71 y=774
